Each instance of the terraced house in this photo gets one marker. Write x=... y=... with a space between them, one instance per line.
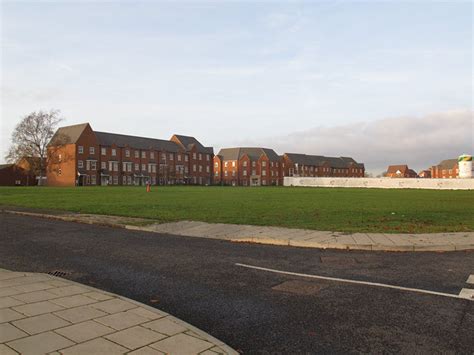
x=247 y=166
x=320 y=166
x=79 y=156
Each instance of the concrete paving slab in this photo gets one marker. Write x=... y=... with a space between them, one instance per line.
x=185 y=343
x=39 y=324
x=40 y=344
x=80 y=314
x=135 y=337
x=97 y=346
x=84 y=331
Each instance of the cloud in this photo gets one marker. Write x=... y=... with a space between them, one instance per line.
x=419 y=142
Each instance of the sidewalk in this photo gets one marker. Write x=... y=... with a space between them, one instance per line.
x=43 y=314
x=278 y=235
x=317 y=239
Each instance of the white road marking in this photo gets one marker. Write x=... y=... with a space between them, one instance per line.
x=470 y=279
x=357 y=282
x=467 y=293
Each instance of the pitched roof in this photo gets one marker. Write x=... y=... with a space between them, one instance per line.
x=448 y=163
x=319 y=160
x=254 y=153
x=68 y=134
x=122 y=140
x=392 y=169
x=4 y=166
x=188 y=142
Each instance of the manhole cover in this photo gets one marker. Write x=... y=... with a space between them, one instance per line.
x=299 y=287
x=338 y=260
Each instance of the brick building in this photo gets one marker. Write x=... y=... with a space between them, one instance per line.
x=14 y=175
x=77 y=155
x=400 y=171
x=247 y=166
x=424 y=174
x=446 y=169
x=321 y=166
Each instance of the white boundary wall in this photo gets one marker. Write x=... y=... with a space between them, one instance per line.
x=381 y=183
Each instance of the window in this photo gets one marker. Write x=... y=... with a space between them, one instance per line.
x=93 y=179
x=137 y=154
x=208 y=157
x=143 y=167
x=114 y=152
x=194 y=167
x=91 y=150
x=163 y=156
x=80 y=149
x=124 y=180
x=143 y=154
x=171 y=156
x=233 y=173
x=200 y=168
x=115 y=180
x=88 y=165
x=244 y=164
x=127 y=153
x=225 y=164
x=217 y=173
x=200 y=156
x=186 y=158
x=93 y=165
x=60 y=172
x=60 y=157
x=264 y=173
x=186 y=170
x=137 y=167
x=264 y=182
x=129 y=180
x=103 y=165
x=253 y=164
x=194 y=156
x=271 y=164
x=254 y=172
x=277 y=165
x=216 y=164
x=244 y=173
x=207 y=168
x=233 y=164
x=80 y=164
x=225 y=173
x=103 y=151
x=124 y=167
x=264 y=163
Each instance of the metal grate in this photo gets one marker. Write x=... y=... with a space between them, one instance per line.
x=59 y=273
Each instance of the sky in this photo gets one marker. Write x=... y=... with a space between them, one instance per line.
x=386 y=82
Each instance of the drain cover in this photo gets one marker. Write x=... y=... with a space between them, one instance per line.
x=59 y=273
x=299 y=287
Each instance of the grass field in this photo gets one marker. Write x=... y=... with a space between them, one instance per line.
x=346 y=210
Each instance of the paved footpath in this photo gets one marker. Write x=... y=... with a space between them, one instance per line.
x=43 y=314
x=318 y=239
x=277 y=235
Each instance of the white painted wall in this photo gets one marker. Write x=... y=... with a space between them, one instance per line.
x=382 y=183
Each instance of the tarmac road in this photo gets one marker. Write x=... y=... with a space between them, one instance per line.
x=257 y=311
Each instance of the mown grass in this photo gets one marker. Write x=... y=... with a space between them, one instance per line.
x=345 y=210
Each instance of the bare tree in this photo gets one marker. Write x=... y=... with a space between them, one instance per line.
x=30 y=139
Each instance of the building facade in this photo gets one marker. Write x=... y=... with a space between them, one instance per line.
x=248 y=166
x=79 y=156
x=320 y=166
x=446 y=169
x=400 y=171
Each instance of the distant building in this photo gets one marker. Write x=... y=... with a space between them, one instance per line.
x=14 y=175
x=424 y=174
x=247 y=166
x=77 y=155
x=446 y=169
x=321 y=166
x=400 y=171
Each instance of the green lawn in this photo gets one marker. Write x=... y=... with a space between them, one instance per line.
x=346 y=210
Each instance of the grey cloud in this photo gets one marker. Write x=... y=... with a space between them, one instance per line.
x=417 y=141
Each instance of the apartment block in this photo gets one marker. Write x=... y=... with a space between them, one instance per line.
x=80 y=156
x=320 y=166
x=248 y=166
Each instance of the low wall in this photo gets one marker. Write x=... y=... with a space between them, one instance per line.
x=382 y=183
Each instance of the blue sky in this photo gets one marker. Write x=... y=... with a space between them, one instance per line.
x=243 y=72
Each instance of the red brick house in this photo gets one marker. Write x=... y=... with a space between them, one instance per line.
x=446 y=169
x=77 y=155
x=320 y=166
x=424 y=174
x=247 y=166
x=400 y=171
x=15 y=175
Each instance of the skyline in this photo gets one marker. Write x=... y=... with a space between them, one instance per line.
x=272 y=74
